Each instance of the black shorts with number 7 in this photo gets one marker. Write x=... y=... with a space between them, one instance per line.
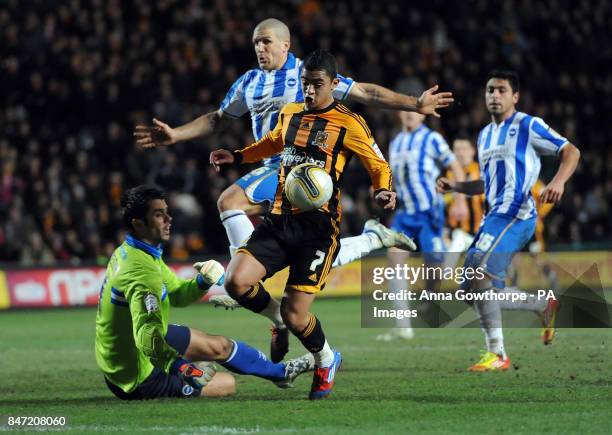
x=306 y=242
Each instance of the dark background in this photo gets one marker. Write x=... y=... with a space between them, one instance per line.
x=77 y=76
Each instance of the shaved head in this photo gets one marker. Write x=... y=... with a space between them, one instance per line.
x=271 y=40
x=277 y=26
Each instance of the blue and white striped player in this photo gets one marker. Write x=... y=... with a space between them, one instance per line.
x=509 y=150
x=416 y=155
x=262 y=92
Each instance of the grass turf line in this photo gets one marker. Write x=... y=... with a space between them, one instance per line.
x=421 y=386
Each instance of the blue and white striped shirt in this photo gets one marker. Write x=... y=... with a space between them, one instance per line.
x=509 y=157
x=263 y=93
x=416 y=158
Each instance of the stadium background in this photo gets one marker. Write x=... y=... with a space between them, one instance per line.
x=76 y=76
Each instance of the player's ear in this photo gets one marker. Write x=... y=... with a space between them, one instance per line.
x=335 y=82
x=515 y=97
x=286 y=44
x=138 y=224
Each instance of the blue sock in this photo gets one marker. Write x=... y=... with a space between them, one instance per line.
x=246 y=360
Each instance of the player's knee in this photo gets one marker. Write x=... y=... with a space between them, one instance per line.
x=294 y=320
x=238 y=281
x=234 y=283
x=223 y=384
x=220 y=348
x=232 y=198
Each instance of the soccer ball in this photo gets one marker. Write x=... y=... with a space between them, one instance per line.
x=308 y=187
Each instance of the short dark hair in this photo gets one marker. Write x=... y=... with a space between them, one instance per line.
x=135 y=202
x=321 y=60
x=506 y=74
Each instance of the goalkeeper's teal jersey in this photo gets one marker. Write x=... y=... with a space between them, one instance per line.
x=132 y=318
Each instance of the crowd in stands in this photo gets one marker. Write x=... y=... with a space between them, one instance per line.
x=76 y=76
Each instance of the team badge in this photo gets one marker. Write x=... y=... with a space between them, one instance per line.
x=320 y=139
x=151 y=303
x=291 y=82
x=187 y=390
x=512 y=132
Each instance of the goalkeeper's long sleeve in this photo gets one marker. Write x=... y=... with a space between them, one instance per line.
x=183 y=292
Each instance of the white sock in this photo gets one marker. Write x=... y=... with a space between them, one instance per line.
x=324 y=357
x=489 y=314
x=237 y=226
x=396 y=286
x=353 y=248
x=531 y=304
x=272 y=312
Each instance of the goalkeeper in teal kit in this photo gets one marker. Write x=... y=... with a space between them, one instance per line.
x=140 y=354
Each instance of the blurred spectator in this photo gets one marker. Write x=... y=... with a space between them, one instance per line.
x=76 y=76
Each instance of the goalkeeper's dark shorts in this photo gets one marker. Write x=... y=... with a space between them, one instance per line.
x=306 y=242
x=159 y=383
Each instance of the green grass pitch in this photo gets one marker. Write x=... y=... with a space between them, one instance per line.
x=47 y=368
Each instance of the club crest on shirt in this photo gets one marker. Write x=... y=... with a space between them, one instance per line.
x=291 y=82
x=151 y=303
x=320 y=139
x=512 y=132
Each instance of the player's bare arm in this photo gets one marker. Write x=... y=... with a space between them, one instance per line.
x=552 y=193
x=444 y=185
x=161 y=134
x=379 y=96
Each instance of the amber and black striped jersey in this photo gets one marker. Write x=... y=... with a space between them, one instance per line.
x=328 y=138
x=543 y=210
x=475 y=203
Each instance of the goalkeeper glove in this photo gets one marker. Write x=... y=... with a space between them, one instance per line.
x=197 y=374
x=209 y=272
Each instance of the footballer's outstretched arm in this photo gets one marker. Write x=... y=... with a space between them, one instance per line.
x=379 y=96
x=160 y=133
x=359 y=139
x=570 y=155
x=183 y=292
x=267 y=146
x=444 y=185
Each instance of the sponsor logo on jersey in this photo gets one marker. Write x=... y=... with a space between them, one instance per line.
x=292 y=157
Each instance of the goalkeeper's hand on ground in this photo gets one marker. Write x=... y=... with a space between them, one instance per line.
x=197 y=374
x=209 y=272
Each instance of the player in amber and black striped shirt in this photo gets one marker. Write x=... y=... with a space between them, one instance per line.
x=323 y=132
x=462 y=232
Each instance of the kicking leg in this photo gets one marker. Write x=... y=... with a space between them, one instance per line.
x=375 y=236
x=234 y=210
